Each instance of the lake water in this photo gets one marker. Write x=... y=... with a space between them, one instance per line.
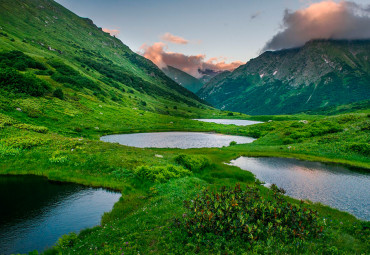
x=36 y=212
x=332 y=185
x=182 y=140
x=231 y=122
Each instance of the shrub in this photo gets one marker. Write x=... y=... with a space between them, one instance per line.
x=348 y=118
x=44 y=72
x=38 y=129
x=8 y=151
x=192 y=162
x=288 y=141
x=361 y=148
x=6 y=120
x=232 y=143
x=19 y=61
x=58 y=93
x=237 y=213
x=63 y=68
x=33 y=108
x=161 y=173
x=13 y=81
x=25 y=142
x=67 y=241
x=143 y=103
x=230 y=114
x=58 y=159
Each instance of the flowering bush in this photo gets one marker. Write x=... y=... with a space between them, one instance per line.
x=246 y=214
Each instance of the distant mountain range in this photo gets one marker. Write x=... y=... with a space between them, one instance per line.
x=188 y=81
x=182 y=78
x=320 y=74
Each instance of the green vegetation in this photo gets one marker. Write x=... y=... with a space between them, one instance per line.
x=13 y=81
x=193 y=162
x=155 y=182
x=161 y=173
x=244 y=214
x=58 y=93
x=318 y=78
x=65 y=94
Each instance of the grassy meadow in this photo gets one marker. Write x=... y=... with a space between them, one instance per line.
x=149 y=216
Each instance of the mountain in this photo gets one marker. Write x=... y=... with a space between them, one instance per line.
x=71 y=53
x=321 y=73
x=184 y=79
x=208 y=74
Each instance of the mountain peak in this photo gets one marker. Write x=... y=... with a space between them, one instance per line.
x=320 y=73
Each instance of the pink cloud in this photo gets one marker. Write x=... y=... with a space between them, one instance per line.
x=174 y=39
x=112 y=32
x=324 y=20
x=159 y=55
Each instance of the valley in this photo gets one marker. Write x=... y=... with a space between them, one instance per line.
x=72 y=96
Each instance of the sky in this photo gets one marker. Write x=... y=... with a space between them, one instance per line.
x=222 y=34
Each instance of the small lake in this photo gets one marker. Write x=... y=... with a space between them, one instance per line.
x=36 y=212
x=182 y=140
x=332 y=185
x=231 y=122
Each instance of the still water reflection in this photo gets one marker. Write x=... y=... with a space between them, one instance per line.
x=183 y=140
x=36 y=212
x=332 y=185
x=231 y=122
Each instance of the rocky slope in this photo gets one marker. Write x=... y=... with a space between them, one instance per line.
x=319 y=74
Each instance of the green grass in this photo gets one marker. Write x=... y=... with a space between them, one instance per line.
x=143 y=220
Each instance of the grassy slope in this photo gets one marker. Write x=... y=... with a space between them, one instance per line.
x=44 y=30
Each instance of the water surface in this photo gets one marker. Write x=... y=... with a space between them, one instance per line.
x=231 y=121
x=182 y=140
x=333 y=185
x=35 y=212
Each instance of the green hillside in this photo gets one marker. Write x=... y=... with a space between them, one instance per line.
x=322 y=73
x=184 y=79
x=105 y=67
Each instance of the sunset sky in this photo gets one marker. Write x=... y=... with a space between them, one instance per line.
x=215 y=33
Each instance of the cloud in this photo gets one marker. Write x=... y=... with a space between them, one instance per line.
x=324 y=20
x=159 y=55
x=112 y=32
x=173 y=39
